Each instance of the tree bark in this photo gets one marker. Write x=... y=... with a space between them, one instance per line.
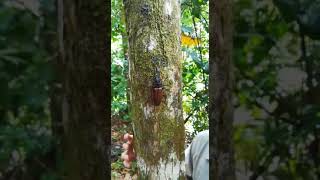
x=85 y=62
x=153 y=29
x=221 y=89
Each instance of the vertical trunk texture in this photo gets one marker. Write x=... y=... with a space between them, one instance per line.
x=86 y=86
x=153 y=29
x=221 y=89
x=56 y=87
x=124 y=36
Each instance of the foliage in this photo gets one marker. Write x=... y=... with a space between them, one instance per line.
x=119 y=65
x=304 y=13
x=25 y=132
x=195 y=64
x=280 y=130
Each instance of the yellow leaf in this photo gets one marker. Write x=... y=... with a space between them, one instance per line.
x=189 y=41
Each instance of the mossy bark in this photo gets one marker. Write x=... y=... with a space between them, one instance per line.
x=221 y=90
x=153 y=29
x=86 y=86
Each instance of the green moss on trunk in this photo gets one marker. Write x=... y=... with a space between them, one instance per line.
x=154 y=43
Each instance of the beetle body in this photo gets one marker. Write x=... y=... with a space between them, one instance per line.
x=157 y=94
x=157 y=91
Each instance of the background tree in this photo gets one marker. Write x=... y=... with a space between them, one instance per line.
x=84 y=54
x=30 y=118
x=221 y=91
x=276 y=57
x=154 y=55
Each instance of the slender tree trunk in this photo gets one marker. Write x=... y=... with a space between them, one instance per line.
x=50 y=36
x=124 y=37
x=154 y=52
x=86 y=87
x=55 y=84
x=221 y=89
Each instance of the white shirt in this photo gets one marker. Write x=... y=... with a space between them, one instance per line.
x=197 y=157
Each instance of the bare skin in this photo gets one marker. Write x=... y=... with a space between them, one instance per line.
x=128 y=155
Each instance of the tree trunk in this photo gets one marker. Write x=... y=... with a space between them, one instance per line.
x=49 y=37
x=221 y=89
x=153 y=29
x=124 y=37
x=86 y=87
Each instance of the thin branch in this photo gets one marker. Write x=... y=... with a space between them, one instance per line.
x=205 y=20
x=308 y=61
x=198 y=37
x=199 y=94
x=262 y=168
x=189 y=116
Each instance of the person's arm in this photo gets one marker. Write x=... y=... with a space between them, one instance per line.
x=188 y=162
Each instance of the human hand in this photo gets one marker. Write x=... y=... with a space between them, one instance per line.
x=128 y=155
